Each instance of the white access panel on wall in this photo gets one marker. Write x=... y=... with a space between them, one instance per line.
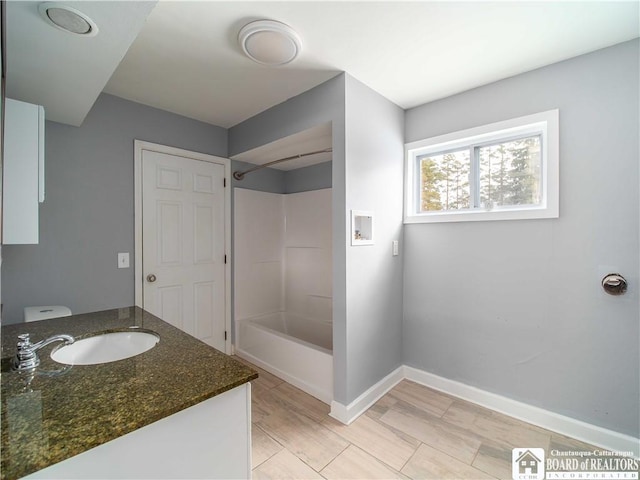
x=361 y=228
x=23 y=172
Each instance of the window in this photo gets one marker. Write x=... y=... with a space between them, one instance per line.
x=503 y=171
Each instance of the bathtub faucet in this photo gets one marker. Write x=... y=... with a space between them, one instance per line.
x=27 y=355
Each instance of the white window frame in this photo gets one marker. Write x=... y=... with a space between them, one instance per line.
x=545 y=124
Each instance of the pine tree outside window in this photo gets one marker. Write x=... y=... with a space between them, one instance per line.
x=502 y=171
x=444 y=180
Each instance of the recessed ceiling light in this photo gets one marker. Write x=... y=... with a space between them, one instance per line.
x=269 y=42
x=68 y=19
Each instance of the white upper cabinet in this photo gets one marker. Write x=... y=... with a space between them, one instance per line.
x=23 y=176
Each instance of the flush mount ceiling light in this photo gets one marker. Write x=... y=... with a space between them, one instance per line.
x=68 y=19
x=269 y=42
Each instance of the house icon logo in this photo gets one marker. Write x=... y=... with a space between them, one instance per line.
x=528 y=463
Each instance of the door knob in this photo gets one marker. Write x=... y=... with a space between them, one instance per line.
x=614 y=284
x=151 y=278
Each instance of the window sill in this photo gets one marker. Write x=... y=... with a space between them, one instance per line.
x=483 y=215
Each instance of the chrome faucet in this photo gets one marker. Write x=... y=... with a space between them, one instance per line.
x=27 y=356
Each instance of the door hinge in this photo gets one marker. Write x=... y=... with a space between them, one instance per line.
x=225 y=335
x=224 y=183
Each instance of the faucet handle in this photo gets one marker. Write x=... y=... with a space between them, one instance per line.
x=27 y=357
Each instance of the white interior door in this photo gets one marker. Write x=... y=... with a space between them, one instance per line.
x=183 y=244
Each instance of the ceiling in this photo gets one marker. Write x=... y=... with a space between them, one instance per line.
x=62 y=71
x=186 y=59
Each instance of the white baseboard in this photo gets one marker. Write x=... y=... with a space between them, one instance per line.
x=586 y=432
x=564 y=425
x=348 y=413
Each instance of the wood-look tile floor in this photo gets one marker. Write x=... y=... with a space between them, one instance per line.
x=411 y=432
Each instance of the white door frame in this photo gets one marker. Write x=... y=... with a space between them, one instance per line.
x=139 y=146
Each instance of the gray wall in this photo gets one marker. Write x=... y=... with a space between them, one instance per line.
x=305 y=179
x=374 y=171
x=87 y=217
x=368 y=144
x=516 y=307
x=265 y=180
x=319 y=105
x=314 y=177
x=324 y=103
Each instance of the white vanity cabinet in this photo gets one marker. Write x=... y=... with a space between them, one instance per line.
x=210 y=440
x=23 y=172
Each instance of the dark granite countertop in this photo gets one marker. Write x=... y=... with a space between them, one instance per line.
x=61 y=411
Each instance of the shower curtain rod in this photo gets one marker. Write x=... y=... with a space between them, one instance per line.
x=240 y=175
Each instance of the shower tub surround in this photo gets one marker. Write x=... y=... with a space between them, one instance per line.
x=181 y=409
x=283 y=286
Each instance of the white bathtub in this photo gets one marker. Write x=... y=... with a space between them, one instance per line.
x=295 y=349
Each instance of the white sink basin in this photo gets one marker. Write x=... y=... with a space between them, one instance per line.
x=105 y=348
